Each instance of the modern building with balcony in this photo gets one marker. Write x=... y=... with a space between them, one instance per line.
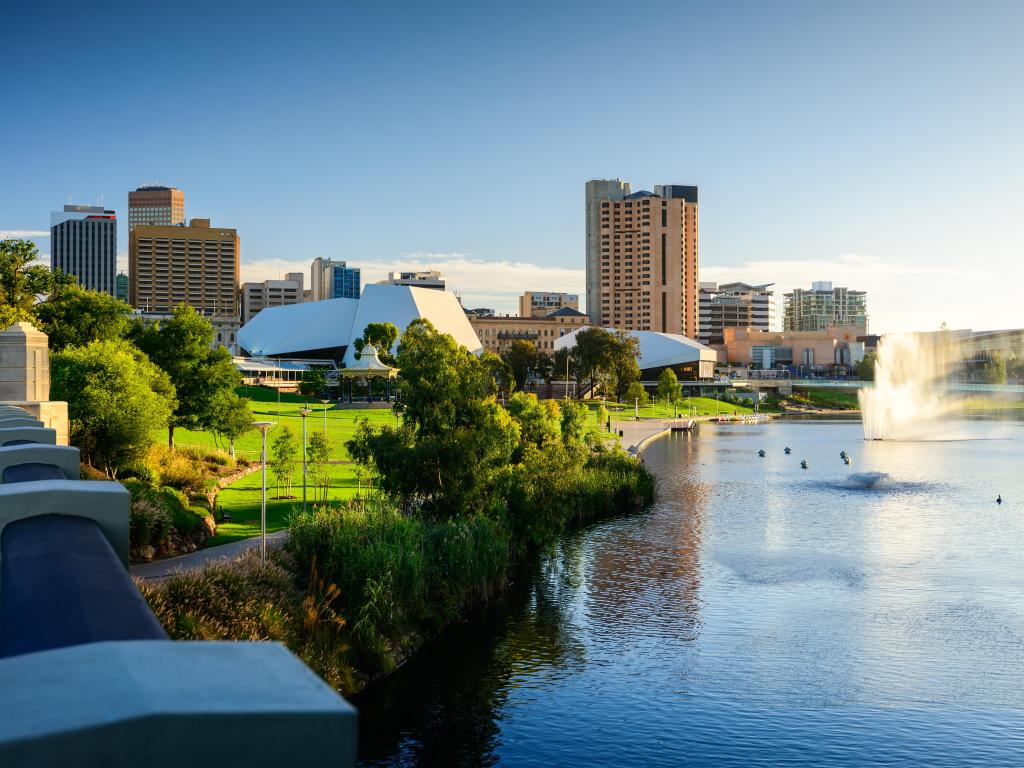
x=824 y=306
x=734 y=305
x=430 y=279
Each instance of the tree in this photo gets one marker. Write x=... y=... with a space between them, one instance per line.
x=866 y=367
x=73 y=316
x=623 y=354
x=182 y=346
x=521 y=357
x=23 y=281
x=450 y=454
x=231 y=418
x=635 y=392
x=669 y=388
x=500 y=373
x=116 y=399
x=283 y=452
x=318 y=455
x=382 y=336
x=313 y=381
x=592 y=354
x=993 y=371
x=539 y=421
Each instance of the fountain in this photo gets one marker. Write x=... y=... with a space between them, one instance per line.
x=910 y=400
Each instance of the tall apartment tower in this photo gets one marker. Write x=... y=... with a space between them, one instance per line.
x=333 y=280
x=197 y=265
x=83 y=243
x=156 y=207
x=734 y=305
x=642 y=257
x=824 y=306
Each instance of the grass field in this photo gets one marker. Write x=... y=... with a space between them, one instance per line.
x=690 y=406
x=242 y=498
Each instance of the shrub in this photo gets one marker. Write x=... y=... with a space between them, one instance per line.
x=149 y=522
x=178 y=469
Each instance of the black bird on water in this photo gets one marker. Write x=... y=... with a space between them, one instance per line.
x=999 y=499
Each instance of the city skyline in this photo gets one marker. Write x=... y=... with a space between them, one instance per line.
x=873 y=159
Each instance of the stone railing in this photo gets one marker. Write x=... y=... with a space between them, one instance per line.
x=89 y=676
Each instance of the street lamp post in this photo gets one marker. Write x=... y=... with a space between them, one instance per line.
x=325 y=401
x=304 y=412
x=264 y=427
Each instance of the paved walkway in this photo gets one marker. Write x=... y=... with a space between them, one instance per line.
x=159 y=570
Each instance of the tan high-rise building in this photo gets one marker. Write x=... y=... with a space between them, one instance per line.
x=197 y=265
x=642 y=257
x=156 y=207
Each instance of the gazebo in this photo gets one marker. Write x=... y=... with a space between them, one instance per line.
x=368 y=367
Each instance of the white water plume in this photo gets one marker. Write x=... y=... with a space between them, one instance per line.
x=910 y=399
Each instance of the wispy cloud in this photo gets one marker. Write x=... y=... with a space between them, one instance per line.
x=494 y=284
x=23 y=234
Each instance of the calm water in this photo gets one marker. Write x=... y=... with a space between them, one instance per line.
x=759 y=614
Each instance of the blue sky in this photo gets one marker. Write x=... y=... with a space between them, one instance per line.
x=874 y=144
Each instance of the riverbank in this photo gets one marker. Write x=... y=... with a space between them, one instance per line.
x=359 y=587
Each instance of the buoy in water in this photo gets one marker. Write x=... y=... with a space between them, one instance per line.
x=803 y=464
x=761 y=453
x=788 y=450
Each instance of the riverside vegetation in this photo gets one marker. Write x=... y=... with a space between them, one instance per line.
x=467 y=490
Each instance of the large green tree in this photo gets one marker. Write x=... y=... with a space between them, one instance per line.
x=380 y=335
x=669 y=388
x=116 y=399
x=23 y=281
x=73 y=316
x=451 y=451
x=522 y=358
x=231 y=418
x=182 y=346
x=623 y=365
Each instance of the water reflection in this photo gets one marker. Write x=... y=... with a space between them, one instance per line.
x=758 y=614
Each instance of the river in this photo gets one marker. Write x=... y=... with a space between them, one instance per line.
x=757 y=614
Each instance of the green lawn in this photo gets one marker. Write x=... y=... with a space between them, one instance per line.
x=242 y=498
x=689 y=406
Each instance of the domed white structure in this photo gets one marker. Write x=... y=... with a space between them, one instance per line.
x=326 y=329
x=663 y=350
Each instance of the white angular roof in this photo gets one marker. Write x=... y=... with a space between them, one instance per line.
x=312 y=325
x=657 y=350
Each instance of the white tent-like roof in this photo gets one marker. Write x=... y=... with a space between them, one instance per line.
x=657 y=350
x=312 y=325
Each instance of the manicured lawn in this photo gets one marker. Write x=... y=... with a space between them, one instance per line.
x=341 y=423
x=242 y=498
x=690 y=406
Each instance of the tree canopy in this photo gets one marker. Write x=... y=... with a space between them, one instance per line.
x=454 y=442
x=116 y=399
x=607 y=358
x=73 y=316
x=23 y=281
x=181 y=346
x=382 y=336
x=669 y=388
x=522 y=358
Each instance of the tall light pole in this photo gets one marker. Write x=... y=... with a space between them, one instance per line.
x=304 y=412
x=325 y=401
x=264 y=427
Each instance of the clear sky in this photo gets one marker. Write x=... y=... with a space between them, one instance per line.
x=876 y=144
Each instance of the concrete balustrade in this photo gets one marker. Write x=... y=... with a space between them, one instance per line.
x=64 y=458
x=87 y=674
x=162 y=704
x=42 y=435
x=6 y=422
x=105 y=502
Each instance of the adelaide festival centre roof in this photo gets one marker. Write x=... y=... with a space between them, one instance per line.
x=657 y=350
x=314 y=325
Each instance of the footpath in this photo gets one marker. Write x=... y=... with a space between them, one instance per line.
x=196 y=561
